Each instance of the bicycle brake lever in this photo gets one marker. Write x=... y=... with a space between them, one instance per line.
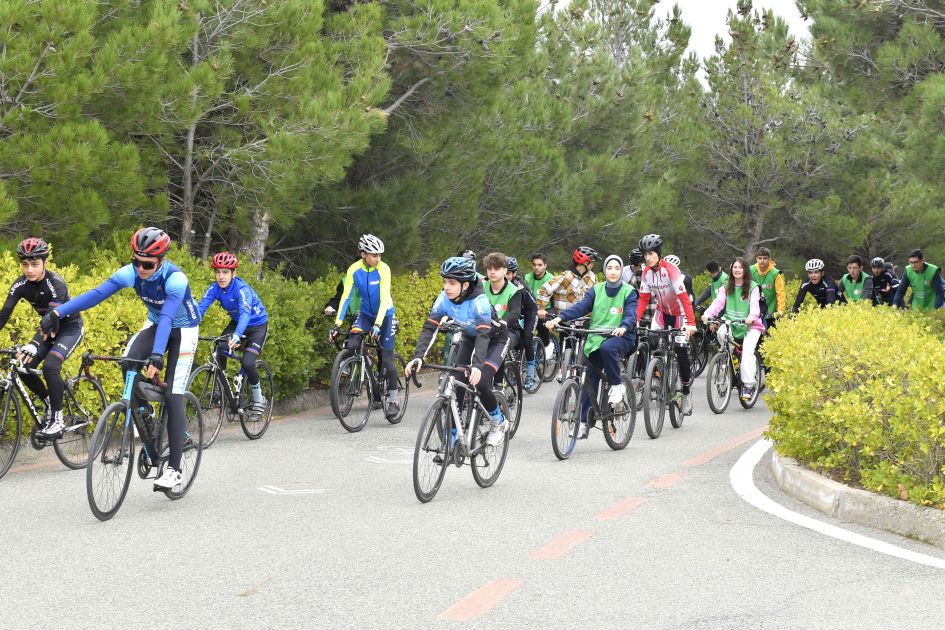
x=413 y=377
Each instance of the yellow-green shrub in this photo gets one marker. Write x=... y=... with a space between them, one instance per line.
x=858 y=394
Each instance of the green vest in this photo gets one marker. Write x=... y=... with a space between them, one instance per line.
x=500 y=301
x=853 y=290
x=766 y=282
x=923 y=297
x=607 y=313
x=533 y=284
x=715 y=284
x=738 y=308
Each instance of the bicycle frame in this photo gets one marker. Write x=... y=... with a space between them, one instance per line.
x=462 y=420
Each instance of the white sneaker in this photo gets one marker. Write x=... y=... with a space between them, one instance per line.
x=169 y=479
x=687 y=404
x=496 y=433
x=54 y=428
x=617 y=392
x=582 y=432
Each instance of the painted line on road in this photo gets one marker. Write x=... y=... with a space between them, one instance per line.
x=665 y=481
x=725 y=447
x=283 y=492
x=742 y=479
x=621 y=508
x=561 y=545
x=479 y=602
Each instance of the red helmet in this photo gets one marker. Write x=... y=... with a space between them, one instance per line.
x=32 y=248
x=150 y=241
x=224 y=260
x=583 y=255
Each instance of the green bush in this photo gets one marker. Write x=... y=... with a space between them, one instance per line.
x=858 y=394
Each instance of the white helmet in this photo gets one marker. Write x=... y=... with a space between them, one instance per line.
x=672 y=259
x=370 y=244
x=814 y=264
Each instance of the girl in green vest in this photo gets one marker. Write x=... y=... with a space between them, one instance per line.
x=740 y=300
x=613 y=305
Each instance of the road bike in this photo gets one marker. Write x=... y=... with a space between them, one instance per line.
x=356 y=387
x=725 y=374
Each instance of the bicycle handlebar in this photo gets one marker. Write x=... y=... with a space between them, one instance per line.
x=89 y=359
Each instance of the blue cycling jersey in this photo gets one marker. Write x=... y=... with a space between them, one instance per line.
x=166 y=294
x=474 y=314
x=239 y=300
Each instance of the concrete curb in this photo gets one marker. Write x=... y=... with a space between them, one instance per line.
x=859 y=506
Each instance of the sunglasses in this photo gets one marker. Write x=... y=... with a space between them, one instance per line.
x=143 y=264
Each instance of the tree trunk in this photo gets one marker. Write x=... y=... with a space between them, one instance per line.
x=187 y=211
x=260 y=234
x=757 y=233
x=208 y=235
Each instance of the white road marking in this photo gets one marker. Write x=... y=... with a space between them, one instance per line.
x=406 y=455
x=741 y=477
x=283 y=492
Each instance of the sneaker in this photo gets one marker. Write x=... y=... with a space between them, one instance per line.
x=550 y=350
x=169 y=479
x=686 y=405
x=54 y=429
x=617 y=392
x=496 y=431
x=748 y=391
x=582 y=432
x=393 y=409
x=529 y=383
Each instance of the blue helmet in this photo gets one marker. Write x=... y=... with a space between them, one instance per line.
x=513 y=264
x=459 y=268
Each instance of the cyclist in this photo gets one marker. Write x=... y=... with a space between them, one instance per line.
x=687 y=279
x=855 y=285
x=485 y=338
x=43 y=290
x=505 y=298
x=634 y=269
x=822 y=288
x=611 y=305
x=740 y=299
x=926 y=283
x=884 y=283
x=718 y=278
x=369 y=279
x=673 y=306
x=529 y=317
x=248 y=319
x=534 y=279
x=766 y=275
x=331 y=306
x=569 y=287
x=172 y=327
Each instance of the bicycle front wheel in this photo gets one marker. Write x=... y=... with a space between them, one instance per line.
x=111 y=458
x=83 y=404
x=352 y=390
x=718 y=383
x=654 y=396
x=193 y=446
x=565 y=418
x=431 y=454
x=208 y=388
x=11 y=426
x=539 y=352
x=512 y=390
x=489 y=461
x=335 y=397
x=257 y=415
x=552 y=361
x=699 y=349
x=759 y=385
x=619 y=429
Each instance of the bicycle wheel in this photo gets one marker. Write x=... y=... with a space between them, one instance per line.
x=255 y=420
x=488 y=462
x=654 y=396
x=352 y=390
x=552 y=362
x=637 y=371
x=699 y=351
x=619 y=429
x=11 y=426
x=512 y=391
x=718 y=383
x=759 y=385
x=431 y=455
x=83 y=404
x=111 y=458
x=193 y=445
x=208 y=388
x=337 y=401
x=404 y=387
x=676 y=416
x=565 y=418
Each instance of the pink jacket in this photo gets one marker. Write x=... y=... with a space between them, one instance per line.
x=754 y=309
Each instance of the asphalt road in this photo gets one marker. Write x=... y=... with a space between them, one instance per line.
x=314 y=527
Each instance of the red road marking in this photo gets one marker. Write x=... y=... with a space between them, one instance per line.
x=712 y=453
x=561 y=545
x=666 y=480
x=620 y=508
x=479 y=602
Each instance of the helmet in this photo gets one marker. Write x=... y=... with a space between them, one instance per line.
x=583 y=255
x=150 y=241
x=814 y=264
x=513 y=264
x=877 y=262
x=370 y=244
x=635 y=257
x=32 y=248
x=224 y=260
x=459 y=268
x=468 y=254
x=673 y=259
x=651 y=243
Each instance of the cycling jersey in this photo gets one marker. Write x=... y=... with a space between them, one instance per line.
x=665 y=282
x=372 y=285
x=824 y=292
x=239 y=301
x=855 y=291
x=883 y=281
x=42 y=295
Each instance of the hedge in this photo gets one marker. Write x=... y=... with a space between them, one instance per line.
x=857 y=394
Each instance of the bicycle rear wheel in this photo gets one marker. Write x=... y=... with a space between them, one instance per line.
x=193 y=446
x=512 y=390
x=255 y=419
x=565 y=418
x=676 y=416
x=619 y=429
x=11 y=426
x=208 y=388
x=489 y=461
x=431 y=455
x=654 y=396
x=111 y=458
x=403 y=385
x=352 y=389
x=83 y=404
x=539 y=352
x=552 y=361
x=718 y=383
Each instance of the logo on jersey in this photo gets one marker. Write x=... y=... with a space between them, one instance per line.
x=616 y=310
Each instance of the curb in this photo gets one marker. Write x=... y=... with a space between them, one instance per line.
x=859 y=506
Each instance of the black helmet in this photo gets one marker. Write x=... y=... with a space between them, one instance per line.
x=513 y=264
x=878 y=262
x=651 y=243
x=635 y=257
x=459 y=268
x=32 y=248
x=468 y=254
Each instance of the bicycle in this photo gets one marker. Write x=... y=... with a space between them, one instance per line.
x=83 y=402
x=617 y=422
x=661 y=383
x=636 y=364
x=454 y=431
x=354 y=378
x=567 y=343
x=700 y=348
x=220 y=400
x=511 y=388
x=112 y=452
x=517 y=356
x=724 y=373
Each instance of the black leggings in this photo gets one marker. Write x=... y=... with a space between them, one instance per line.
x=52 y=353
x=682 y=352
x=387 y=361
x=254 y=337
x=498 y=347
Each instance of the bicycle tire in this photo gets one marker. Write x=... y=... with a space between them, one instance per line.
x=254 y=425
x=452 y=354
x=404 y=390
x=81 y=410
x=206 y=384
x=718 y=383
x=759 y=385
x=565 y=418
x=676 y=417
x=488 y=463
x=537 y=380
x=654 y=394
x=699 y=352
x=552 y=363
x=112 y=448
x=512 y=391
x=619 y=429
x=193 y=447
x=432 y=441
x=637 y=368
x=355 y=382
x=333 y=399
x=11 y=427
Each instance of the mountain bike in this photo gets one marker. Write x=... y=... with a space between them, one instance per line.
x=567 y=345
x=724 y=373
x=617 y=421
x=454 y=431
x=356 y=387
x=219 y=400
x=518 y=357
x=661 y=382
x=82 y=404
x=112 y=451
